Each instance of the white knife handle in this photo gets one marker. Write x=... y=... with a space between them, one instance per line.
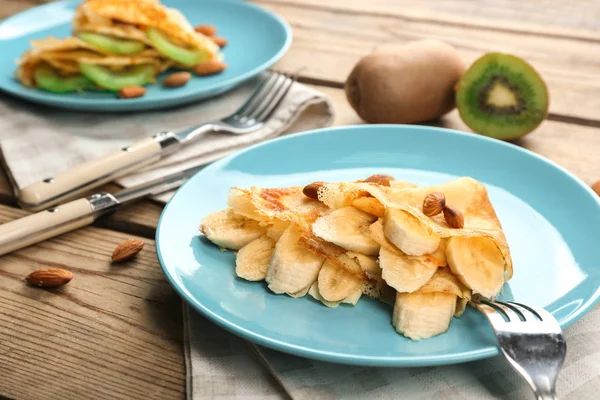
x=94 y=173
x=34 y=228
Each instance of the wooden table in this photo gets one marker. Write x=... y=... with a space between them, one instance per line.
x=115 y=332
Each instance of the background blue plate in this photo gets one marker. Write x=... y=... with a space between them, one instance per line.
x=551 y=220
x=257 y=39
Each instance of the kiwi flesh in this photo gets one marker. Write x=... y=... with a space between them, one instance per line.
x=502 y=96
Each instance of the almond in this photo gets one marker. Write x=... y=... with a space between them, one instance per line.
x=383 y=180
x=206 y=30
x=127 y=250
x=220 y=41
x=312 y=190
x=49 y=277
x=454 y=218
x=130 y=92
x=596 y=187
x=210 y=68
x=177 y=79
x=434 y=203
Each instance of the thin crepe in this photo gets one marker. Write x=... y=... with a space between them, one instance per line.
x=130 y=19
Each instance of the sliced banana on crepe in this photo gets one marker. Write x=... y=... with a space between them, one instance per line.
x=423 y=315
x=370 y=205
x=352 y=299
x=408 y=233
x=252 y=261
x=478 y=263
x=230 y=230
x=348 y=228
x=337 y=282
x=403 y=272
x=292 y=267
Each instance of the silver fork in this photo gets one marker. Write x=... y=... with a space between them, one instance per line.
x=532 y=341
x=248 y=118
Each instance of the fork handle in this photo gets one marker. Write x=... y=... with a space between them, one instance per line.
x=69 y=184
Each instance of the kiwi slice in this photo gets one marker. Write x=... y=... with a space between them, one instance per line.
x=110 y=44
x=137 y=75
x=182 y=55
x=46 y=78
x=502 y=96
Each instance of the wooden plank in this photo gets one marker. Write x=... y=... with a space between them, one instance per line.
x=114 y=332
x=578 y=19
x=329 y=42
x=574 y=147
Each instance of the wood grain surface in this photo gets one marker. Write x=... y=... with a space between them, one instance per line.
x=115 y=332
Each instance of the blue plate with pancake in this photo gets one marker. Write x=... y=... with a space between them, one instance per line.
x=257 y=38
x=549 y=216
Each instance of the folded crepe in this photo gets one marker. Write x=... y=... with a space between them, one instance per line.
x=147 y=22
x=369 y=238
x=61 y=59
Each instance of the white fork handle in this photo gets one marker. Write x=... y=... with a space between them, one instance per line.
x=68 y=184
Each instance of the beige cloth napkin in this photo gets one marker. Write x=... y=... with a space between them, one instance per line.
x=302 y=378
x=38 y=142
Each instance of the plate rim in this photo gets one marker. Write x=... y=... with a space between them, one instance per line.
x=141 y=104
x=375 y=361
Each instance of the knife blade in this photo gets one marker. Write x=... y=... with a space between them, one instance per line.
x=54 y=221
x=69 y=184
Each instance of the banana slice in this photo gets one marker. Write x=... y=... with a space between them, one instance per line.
x=367 y=264
x=443 y=281
x=300 y=293
x=408 y=233
x=423 y=315
x=352 y=299
x=348 y=228
x=252 y=261
x=230 y=230
x=477 y=263
x=292 y=268
x=461 y=306
x=370 y=205
x=404 y=273
x=336 y=282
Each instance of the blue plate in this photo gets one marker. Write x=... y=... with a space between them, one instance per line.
x=257 y=39
x=550 y=218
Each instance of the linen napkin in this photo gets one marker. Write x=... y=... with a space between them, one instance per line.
x=302 y=378
x=38 y=142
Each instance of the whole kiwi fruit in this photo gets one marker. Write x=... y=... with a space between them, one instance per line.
x=502 y=96
x=403 y=84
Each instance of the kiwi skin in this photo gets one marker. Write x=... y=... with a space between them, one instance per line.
x=404 y=84
x=534 y=101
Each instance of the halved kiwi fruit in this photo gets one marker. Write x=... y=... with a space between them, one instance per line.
x=502 y=96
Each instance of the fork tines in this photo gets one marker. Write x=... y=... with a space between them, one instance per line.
x=267 y=97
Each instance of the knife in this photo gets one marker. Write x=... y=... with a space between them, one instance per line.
x=69 y=184
x=54 y=221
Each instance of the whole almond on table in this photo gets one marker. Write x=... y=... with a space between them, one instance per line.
x=206 y=30
x=131 y=92
x=210 y=68
x=127 y=250
x=220 y=41
x=312 y=190
x=177 y=79
x=596 y=187
x=454 y=218
x=434 y=203
x=379 y=179
x=49 y=277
